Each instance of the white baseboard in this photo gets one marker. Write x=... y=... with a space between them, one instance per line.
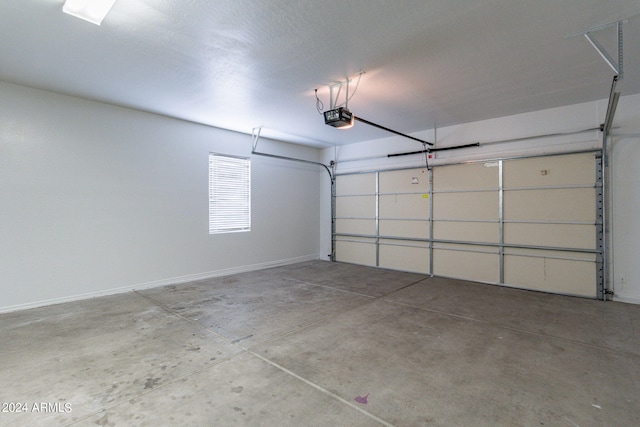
x=162 y=282
x=629 y=297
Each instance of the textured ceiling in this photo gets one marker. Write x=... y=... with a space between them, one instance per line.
x=242 y=64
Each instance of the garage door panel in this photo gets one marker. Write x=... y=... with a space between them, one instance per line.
x=542 y=253
x=467 y=231
x=356 y=207
x=404 y=181
x=356 y=252
x=356 y=184
x=568 y=204
x=400 y=256
x=356 y=226
x=573 y=277
x=466 y=177
x=409 y=229
x=562 y=170
x=480 y=264
x=408 y=206
x=479 y=205
x=576 y=236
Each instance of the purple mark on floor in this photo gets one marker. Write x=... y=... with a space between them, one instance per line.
x=362 y=399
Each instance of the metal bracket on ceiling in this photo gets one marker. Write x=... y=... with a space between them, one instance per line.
x=334 y=93
x=255 y=136
x=336 y=88
x=616 y=66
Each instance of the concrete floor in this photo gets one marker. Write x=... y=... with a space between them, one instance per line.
x=323 y=344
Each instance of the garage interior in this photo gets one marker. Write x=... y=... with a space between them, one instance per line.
x=462 y=253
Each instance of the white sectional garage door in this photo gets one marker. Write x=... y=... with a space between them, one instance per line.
x=357 y=224
x=532 y=223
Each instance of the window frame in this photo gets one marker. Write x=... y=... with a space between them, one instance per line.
x=229 y=193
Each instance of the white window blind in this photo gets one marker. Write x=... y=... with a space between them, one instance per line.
x=229 y=194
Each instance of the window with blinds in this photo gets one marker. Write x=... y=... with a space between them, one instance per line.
x=229 y=194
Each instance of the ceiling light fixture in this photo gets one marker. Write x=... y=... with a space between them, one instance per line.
x=93 y=11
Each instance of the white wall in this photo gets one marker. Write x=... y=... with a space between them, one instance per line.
x=96 y=199
x=625 y=173
x=625 y=191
